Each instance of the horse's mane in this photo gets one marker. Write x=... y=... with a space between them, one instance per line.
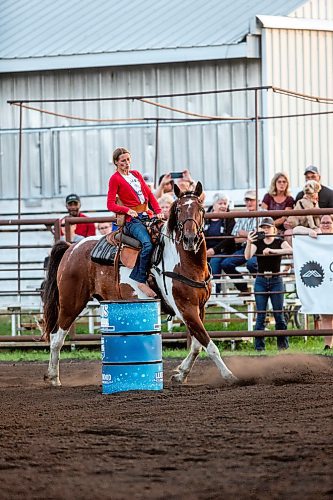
x=172 y=220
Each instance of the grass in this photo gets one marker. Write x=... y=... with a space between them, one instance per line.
x=313 y=345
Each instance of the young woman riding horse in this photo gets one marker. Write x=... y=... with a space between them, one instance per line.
x=134 y=194
x=181 y=276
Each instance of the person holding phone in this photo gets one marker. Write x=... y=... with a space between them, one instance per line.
x=166 y=182
x=268 y=248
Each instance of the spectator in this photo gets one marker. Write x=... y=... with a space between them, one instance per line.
x=166 y=183
x=104 y=228
x=73 y=238
x=217 y=228
x=73 y=205
x=325 y=195
x=268 y=284
x=325 y=226
x=278 y=198
x=134 y=196
x=240 y=231
x=165 y=203
x=309 y=200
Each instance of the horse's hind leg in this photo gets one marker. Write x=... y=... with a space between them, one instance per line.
x=56 y=343
x=185 y=367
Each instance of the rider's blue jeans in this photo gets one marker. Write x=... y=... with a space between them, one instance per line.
x=137 y=230
x=269 y=285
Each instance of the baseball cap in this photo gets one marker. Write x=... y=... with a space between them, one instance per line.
x=251 y=195
x=266 y=221
x=311 y=168
x=72 y=197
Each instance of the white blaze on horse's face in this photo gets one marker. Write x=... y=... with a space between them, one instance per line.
x=189 y=224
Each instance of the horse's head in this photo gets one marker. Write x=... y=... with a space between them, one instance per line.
x=187 y=218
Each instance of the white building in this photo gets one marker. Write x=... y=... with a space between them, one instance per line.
x=99 y=49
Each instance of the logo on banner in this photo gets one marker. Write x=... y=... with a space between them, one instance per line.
x=312 y=274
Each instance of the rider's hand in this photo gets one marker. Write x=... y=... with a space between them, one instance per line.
x=132 y=213
x=210 y=252
x=159 y=216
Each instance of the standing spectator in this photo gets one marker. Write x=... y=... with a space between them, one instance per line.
x=166 y=183
x=325 y=196
x=217 y=228
x=278 y=198
x=268 y=283
x=240 y=231
x=134 y=194
x=325 y=226
x=73 y=205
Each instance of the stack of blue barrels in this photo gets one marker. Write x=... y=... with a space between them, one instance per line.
x=131 y=345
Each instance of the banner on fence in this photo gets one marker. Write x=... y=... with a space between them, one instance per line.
x=313 y=261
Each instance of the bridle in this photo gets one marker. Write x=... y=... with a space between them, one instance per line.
x=199 y=238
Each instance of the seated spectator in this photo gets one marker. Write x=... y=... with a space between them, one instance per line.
x=240 y=231
x=104 y=228
x=325 y=195
x=165 y=203
x=309 y=200
x=278 y=198
x=73 y=205
x=217 y=228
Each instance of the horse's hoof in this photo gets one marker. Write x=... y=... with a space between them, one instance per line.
x=176 y=379
x=54 y=382
x=231 y=379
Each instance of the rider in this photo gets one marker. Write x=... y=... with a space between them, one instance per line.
x=134 y=196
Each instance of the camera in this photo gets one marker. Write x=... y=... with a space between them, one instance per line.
x=261 y=235
x=176 y=175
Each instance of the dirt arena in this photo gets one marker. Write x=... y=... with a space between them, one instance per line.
x=270 y=436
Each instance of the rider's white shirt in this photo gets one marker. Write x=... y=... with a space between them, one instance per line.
x=135 y=184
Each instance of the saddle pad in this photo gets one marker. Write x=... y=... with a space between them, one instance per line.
x=103 y=253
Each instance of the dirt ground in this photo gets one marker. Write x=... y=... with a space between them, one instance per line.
x=269 y=436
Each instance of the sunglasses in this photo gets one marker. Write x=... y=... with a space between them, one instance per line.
x=249 y=199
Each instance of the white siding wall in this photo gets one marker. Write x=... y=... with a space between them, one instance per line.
x=315 y=9
x=301 y=61
x=59 y=160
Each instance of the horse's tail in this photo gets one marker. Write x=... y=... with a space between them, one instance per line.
x=51 y=292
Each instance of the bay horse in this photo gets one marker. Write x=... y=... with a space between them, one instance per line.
x=182 y=277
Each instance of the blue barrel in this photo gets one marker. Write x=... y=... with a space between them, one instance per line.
x=131 y=346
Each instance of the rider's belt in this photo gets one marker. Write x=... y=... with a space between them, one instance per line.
x=268 y=274
x=143 y=207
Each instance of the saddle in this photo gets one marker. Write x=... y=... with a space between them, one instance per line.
x=105 y=251
x=120 y=244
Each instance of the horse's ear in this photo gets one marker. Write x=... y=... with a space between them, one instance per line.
x=177 y=190
x=198 y=189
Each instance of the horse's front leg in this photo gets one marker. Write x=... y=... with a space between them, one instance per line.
x=182 y=371
x=200 y=338
x=56 y=343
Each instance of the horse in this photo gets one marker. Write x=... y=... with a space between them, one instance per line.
x=181 y=275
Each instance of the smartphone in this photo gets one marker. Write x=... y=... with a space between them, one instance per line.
x=261 y=235
x=176 y=175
